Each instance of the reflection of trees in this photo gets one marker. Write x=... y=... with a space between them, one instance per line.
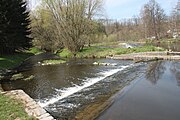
x=155 y=71
x=175 y=69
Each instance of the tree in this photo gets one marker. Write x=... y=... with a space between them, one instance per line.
x=175 y=19
x=153 y=18
x=44 y=31
x=74 y=20
x=14 y=26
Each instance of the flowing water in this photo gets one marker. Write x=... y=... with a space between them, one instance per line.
x=154 y=96
x=65 y=90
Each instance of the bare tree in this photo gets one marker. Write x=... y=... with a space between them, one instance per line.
x=174 y=20
x=153 y=18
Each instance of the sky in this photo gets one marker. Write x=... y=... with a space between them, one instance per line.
x=120 y=9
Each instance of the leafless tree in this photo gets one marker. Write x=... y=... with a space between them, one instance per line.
x=153 y=18
x=174 y=19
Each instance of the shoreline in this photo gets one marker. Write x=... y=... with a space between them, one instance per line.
x=32 y=108
x=147 y=56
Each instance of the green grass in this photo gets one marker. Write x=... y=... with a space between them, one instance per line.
x=99 y=52
x=34 y=51
x=10 y=61
x=65 y=53
x=11 y=109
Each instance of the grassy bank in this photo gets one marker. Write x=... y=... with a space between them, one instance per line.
x=100 y=52
x=10 y=61
x=10 y=109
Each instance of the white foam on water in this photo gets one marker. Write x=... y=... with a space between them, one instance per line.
x=72 y=90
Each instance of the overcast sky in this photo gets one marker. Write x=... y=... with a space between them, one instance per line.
x=119 y=9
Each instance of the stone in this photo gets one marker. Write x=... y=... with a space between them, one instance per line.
x=39 y=111
x=31 y=107
x=48 y=118
x=44 y=116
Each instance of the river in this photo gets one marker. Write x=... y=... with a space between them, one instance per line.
x=66 y=90
x=154 y=96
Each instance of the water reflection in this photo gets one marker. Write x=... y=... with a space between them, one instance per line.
x=175 y=69
x=155 y=71
x=144 y=101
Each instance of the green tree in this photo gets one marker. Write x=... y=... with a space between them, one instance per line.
x=14 y=26
x=74 y=20
x=44 y=31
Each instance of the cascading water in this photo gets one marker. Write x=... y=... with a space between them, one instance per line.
x=65 y=92
x=65 y=89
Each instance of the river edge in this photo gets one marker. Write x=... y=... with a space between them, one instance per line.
x=32 y=108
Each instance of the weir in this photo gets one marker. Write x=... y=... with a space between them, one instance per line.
x=148 y=56
x=72 y=90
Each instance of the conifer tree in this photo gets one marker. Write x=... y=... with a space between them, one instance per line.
x=14 y=26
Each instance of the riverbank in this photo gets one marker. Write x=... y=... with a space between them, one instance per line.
x=102 y=52
x=13 y=60
x=11 y=109
x=26 y=109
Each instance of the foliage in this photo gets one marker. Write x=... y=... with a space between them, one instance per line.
x=14 y=26
x=44 y=31
x=34 y=51
x=11 y=109
x=73 y=22
x=65 y=53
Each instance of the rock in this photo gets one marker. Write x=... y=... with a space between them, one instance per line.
x=17 y=76
x=31 y=107
x=105 y=64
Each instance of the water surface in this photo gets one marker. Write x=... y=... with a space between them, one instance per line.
x=67 y=88
x=154 y=96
